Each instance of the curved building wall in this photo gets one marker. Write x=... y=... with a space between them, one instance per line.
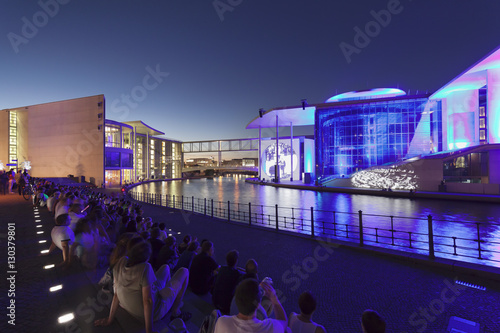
x=354 y=136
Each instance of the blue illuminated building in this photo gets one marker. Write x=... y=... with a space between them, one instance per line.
x=360 y=130
x=384 y=138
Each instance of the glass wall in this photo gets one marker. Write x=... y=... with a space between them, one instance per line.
x=113 y=136
x=470 y=168
x=354 y=136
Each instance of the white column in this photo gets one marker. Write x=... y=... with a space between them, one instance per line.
x=260 y=153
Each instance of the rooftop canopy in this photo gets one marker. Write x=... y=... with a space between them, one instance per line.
x=296 y=116
x=366 y=94
x=142 y=128
x=473 y=78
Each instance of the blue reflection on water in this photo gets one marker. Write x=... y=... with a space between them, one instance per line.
x=451 y=218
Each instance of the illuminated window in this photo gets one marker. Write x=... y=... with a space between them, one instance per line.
x=12 y=137
x=482 y=123
x=482 y=112
x=482 y=135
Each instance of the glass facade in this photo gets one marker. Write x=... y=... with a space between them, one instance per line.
x=470 y=168
x=352 y=136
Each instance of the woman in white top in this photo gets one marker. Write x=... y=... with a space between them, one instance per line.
x=302 y=323
x=146 y=295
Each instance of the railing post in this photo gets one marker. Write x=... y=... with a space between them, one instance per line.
x=205 y=206
x=228 y=211
x=431 y=237
x=277 y=228
x=361 y=240
x=312 y=222
x=192 y=203
x=212 y=200
x=182 y=202
x=249 y=213
x=478 y=241
x=392 y=229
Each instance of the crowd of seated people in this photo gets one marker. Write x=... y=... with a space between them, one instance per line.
x=149 y=272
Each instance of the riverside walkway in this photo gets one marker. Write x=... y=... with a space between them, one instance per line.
x=412 y=297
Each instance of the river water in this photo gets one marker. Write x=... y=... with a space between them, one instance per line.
x=450 y=218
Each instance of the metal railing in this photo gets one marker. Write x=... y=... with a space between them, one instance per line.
x=467 y=241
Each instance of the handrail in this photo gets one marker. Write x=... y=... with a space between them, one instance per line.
x=377 y=230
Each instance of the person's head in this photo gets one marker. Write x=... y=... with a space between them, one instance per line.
x=186 y=239
x=63 y=219
x=139 y=253
x=251 y=267
x=76 y=208
x=145 y=235
x=208 y=248
x=248 y=296
x=82 y=226
x=133 y=242
x=155 y=233
x=170 y=242
x=131 y=227
x=307 y=303
x=372 y=322
x=193 y=246
x=162 y=226
x=232 y=258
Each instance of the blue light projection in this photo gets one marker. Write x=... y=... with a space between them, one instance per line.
x=284 y=162
x=367 y=94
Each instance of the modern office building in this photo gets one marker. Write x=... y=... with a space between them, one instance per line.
x=384 y=138
x=73 y=137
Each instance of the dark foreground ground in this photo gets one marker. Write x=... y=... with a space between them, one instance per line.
x=411 y=297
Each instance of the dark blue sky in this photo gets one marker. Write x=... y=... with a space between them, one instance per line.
x=263 y=54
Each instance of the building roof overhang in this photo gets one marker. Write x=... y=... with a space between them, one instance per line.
x=295 y=116
x=473 y=78
x=142 y=128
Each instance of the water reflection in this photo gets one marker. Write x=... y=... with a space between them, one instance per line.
x=409 y=215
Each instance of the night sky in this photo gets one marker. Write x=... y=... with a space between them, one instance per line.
x=215 y=63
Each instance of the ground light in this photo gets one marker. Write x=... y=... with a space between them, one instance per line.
x=65 y=318
x=55 y=288
x=49 y=266
x=39 y=232
x=42 y=241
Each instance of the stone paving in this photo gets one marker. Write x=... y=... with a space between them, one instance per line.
x=412 y=298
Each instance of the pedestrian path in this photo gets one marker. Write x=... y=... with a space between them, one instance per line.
x=411 y=297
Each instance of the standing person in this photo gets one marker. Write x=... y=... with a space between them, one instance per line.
x=302 y=323
x=248 y=297
x=21 y=183
x=12 y=180
x=4 y=181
